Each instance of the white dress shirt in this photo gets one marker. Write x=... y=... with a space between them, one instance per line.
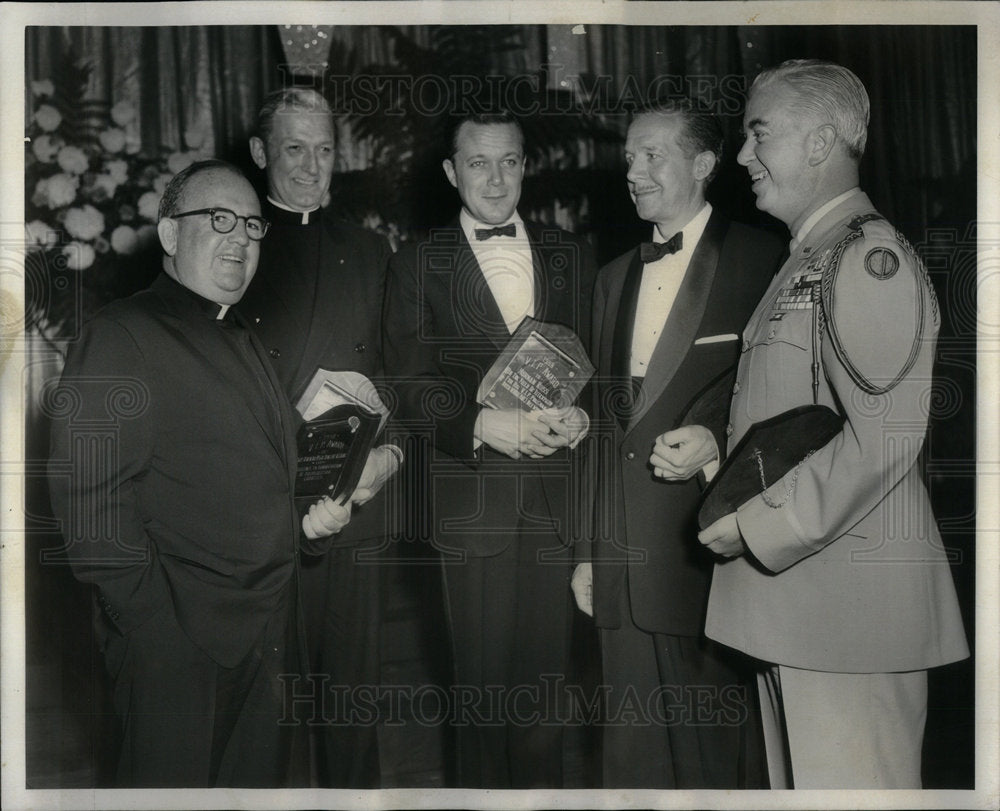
x=660 y=282
x=507 y=267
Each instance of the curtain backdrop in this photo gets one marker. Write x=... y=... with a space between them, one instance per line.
x=209 y=80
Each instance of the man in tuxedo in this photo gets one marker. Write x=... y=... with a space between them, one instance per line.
x=834 y=576
x=316 y=302
x=667 y=316
x=500 y=481
x=181 y=509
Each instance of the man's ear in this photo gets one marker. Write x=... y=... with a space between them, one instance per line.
x=822 y=140
x=704 y=163
x=449 y=170
x=166 y=229
x=258 y=152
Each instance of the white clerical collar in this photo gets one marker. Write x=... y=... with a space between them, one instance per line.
x=223 y=309
x=692 y=231
x=821 y=212
x=305 y=214
x=470 y=224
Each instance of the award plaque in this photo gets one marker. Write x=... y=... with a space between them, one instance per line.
x=543 y=366
x=344 y=416
x=766 y=453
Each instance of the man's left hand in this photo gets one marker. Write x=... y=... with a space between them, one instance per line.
x=723 y=537
x=326 y=517
x=570 y=422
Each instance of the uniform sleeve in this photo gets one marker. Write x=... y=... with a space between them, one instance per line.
x=883 y=396
x=101 y=444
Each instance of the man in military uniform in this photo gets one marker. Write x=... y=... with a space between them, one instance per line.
x=835 y=575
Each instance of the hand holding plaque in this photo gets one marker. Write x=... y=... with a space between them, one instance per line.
x=543 y=366
x=344 y=416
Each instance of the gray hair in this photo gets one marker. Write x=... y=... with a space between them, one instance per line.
x=829 y=91
x=300 y=99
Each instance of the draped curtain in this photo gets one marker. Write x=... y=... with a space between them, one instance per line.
x=208 y=81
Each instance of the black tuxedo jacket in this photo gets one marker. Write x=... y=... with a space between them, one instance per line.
x=443 y=331
x=316 y=302
x=644 y=524
x=173 y=458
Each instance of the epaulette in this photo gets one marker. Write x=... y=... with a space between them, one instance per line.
x=858 y=335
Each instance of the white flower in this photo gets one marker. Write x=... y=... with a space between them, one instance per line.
x=56 y=191
x=179 y=161
x=149 y=206
x=84 y=223
x=122 y=113
x=79 y=255
x=73 y=160
x=133 y=143
x=40 y=233
x=48 y=117
x=105 y=184
x=43 y=88
x=117 y=170
x=45 y=148
x=112 y=140
x=124 y=240
x=160 y=183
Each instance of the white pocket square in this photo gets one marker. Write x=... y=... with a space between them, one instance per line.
x=715 y=339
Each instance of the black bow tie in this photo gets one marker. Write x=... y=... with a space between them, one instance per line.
x=508 y=230
x=651 y=251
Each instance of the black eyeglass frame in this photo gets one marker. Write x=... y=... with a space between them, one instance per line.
x=264 y=224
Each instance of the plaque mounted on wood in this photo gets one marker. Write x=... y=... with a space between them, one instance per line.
x=344 y=417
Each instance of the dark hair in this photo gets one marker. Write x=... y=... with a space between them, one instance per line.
x=299 y=99
x=175 y=188
x=483 y=119
x=701 y=129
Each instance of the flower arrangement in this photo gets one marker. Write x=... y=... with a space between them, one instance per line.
x=92 y=196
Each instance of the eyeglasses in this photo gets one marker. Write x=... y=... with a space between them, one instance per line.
x=224 y=221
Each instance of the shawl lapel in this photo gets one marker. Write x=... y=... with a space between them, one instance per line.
x=685 y=316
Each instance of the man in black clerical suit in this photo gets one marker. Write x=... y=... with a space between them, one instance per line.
x=316 y=302
x=499 y=480
x=172 y=472
x=667 y=320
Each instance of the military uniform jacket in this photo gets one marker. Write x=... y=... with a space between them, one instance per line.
x=443 y=331
x=846 y=570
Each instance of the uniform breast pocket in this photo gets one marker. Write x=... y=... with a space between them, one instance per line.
x=778 y=359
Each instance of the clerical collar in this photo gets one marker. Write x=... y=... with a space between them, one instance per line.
x=210 y=309
x=470 y=224
x=293 y=217
x=821 y=212
x=692 y=231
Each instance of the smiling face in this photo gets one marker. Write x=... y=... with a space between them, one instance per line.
x=779 y=141
x=487 y=169
x=298 y=157
x=216 y=266
x=666 y=185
